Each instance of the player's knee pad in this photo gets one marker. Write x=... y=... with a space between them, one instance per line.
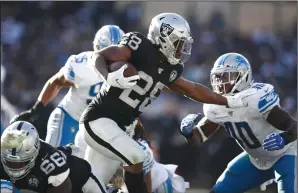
x=166 y=187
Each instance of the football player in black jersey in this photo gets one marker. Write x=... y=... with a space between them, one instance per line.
x=30 y=163
x=159 y=60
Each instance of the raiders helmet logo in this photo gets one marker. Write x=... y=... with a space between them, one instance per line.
x=166 y=29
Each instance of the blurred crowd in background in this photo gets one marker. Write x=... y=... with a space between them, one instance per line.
x=38 y=37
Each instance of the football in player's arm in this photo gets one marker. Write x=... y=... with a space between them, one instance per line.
x=197 y=128
x=126 y=49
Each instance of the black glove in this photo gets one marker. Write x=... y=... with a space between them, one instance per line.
x=30 y=115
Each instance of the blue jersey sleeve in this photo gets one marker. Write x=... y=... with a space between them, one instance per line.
x=265 y=98
x=79 y=71
x=149 y=158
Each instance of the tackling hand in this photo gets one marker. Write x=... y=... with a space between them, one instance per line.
x=117 y=79
x=274 y=141
x=188 y=123
x=30 y=115
x=23 y=116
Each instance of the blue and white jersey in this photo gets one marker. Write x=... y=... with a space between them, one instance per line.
x=149 y=158
x=248 y=125
x=79 y=70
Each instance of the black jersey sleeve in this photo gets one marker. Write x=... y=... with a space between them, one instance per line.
x=137 y=43
x=176 y=73
x=53 y=164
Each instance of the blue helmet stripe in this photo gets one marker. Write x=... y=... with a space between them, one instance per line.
x=115 y=34
x=224 y=59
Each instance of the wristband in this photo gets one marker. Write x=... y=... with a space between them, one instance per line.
x=288 y=137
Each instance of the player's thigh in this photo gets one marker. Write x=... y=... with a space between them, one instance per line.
x=55 y=127
x=61 y=128
x=105 y=136
x=102 y=166
x=240 y=175
x=166 y=187
x=94 y=185
x=285 y=173
x=79 y=140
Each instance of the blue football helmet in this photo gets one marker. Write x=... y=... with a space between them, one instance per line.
x=107 y=35
x=231 y=73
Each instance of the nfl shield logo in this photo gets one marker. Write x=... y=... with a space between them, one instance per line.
x=173 y=76
x=33 y=181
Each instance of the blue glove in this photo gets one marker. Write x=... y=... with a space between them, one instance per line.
x=188 y=123
x=274 y=141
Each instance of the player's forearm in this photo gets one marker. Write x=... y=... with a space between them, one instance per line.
x=203 y=94
x=291 y=134
x=283 y=121
x=148 y=181
x=101 y=66
x=203 y=130
x=196 y=137
x=49 y=92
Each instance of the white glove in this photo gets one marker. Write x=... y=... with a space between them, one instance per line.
x=238 y=100
x=116 y=79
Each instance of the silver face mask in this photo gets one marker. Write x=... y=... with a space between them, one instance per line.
x=19 y=149
x=223 y=83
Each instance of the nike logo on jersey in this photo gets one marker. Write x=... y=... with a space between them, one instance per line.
x=160 y=70
x=118 y=82
x=44 y=157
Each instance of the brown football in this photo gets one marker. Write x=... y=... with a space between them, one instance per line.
x=129 y=71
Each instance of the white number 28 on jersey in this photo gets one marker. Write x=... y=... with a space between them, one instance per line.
x=142 y=91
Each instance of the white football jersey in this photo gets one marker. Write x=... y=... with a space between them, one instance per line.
x=149 y=158
x=158 y=173
x=248 y=125
x=79 y=70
